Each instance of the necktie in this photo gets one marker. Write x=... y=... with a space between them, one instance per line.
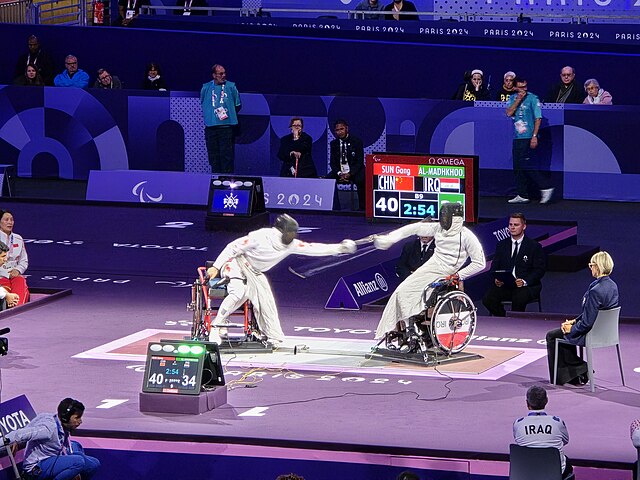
x=343 y=152
x=423 y=253
x=514 y=256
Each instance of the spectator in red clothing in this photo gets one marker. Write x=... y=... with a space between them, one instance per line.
x=17 y=261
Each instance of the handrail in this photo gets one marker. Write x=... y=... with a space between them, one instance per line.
x=19 y=11
x=78 y=12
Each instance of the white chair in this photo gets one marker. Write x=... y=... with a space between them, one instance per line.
x=603 y=334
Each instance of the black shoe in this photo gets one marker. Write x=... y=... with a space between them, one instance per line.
x=580 y=380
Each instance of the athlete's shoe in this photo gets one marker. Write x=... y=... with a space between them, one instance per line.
x=518 y=199
x=214 y=335
x=545 y=195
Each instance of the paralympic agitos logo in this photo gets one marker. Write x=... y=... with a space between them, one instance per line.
x=139 y=191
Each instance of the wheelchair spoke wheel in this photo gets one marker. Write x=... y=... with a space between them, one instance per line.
x=198 y=328
x=453 y=322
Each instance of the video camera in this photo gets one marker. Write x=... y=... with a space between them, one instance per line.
x=4 y=342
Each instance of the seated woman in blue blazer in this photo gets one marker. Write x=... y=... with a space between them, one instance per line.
x=602 y=294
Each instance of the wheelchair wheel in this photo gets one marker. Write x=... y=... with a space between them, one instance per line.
x=453 y=322
x=198 y=327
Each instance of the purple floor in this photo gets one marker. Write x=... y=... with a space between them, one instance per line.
x=130 y=270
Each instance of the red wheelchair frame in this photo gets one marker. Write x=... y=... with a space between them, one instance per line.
x=203 y=308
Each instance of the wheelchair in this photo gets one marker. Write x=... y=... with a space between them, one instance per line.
x=444 y=327
x=206 y=298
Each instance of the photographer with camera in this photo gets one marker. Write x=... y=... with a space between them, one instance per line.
x=50 y=453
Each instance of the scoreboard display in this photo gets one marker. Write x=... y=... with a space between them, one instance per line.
x=413 y=186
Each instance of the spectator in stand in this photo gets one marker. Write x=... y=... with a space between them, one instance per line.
x=38 y=57
x=17 y=261
x=595 y=94
x=289 y=476
x=635 y=432
x=539 y=430
x=522 y=257
x=400 y=6
x=295 y=152
x=507 y=89
x=186 y=7
x=128 y=10
x=567 y=91
x=30 y=78
x=106 y=81
x=346 y=159
x=602 y=294
x=407 y=475
x=473 y=89
x=72 y=75
x=415 y=253
x=154 y=79
x=370 y=6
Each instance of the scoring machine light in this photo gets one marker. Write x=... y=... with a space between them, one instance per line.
x=184 y=349
x=197 y=349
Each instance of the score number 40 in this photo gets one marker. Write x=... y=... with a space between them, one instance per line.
x=392 y=205
x=158 y=379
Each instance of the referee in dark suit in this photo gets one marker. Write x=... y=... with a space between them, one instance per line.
x=523 y=257
x=414 y=254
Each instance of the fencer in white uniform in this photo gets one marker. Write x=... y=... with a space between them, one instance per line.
x=454 y=244
x=244 y=261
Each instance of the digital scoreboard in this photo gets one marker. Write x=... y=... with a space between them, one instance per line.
x=182 y=367
x=413 y=186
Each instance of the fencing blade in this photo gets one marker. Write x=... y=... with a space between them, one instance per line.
x=319 y=266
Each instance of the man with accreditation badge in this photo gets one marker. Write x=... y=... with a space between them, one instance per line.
x=220 y=103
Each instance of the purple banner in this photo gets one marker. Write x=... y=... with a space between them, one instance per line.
x=146 y=186
x=298 y=193
x=15 y=414
x=586 y=32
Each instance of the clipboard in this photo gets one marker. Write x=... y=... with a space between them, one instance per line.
x=506 y=277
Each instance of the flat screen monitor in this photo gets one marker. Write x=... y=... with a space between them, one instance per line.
x=235 y=196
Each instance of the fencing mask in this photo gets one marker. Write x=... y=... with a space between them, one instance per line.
x=447 y=212
x=288 y=227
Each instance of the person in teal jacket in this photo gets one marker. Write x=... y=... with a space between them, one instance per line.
x=220 y=103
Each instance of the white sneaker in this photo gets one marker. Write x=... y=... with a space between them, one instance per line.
x=519 y=199
x=214 y=335
x=545 y=195
x=273 y=343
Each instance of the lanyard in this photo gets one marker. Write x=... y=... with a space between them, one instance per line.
x=214 y=96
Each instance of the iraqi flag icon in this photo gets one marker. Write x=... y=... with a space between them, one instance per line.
x=450 y=185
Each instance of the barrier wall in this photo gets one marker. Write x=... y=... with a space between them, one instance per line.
x=69 y=132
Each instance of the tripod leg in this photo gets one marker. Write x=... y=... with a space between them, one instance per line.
x=12 y=458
